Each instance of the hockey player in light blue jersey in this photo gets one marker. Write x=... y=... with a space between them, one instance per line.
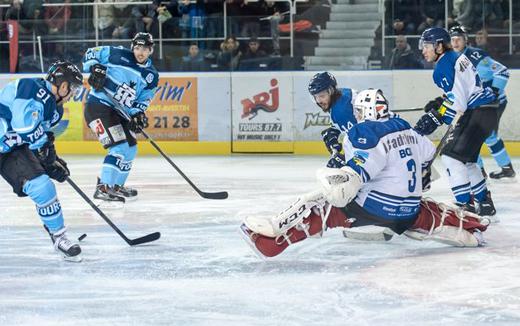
x=29 y=108
x=337 y=102
x=123 y=84
x=495 y=75
x=380 y=185
x=477 y=107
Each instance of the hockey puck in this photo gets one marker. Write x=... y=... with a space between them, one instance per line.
x=83 y=236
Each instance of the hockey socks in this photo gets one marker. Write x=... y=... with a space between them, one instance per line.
x=43 y=193
x=498 y=150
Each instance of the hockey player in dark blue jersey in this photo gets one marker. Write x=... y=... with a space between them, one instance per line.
x=29 y=108
x=380 y=185
x=495 y=75
x=123 y=84
x=337 y=102
x=477 y=107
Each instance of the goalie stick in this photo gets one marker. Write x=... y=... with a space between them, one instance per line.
x=203 y=194
x=408 y=110
x=132 y=242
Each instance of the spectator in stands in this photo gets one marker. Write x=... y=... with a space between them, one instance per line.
x=124 y=21
x=229 y=55
x=168 y=15
x=402 y=55
x=105 y=20
x=234 y=13
x=194 y=60
x=193 y=19
x=56 y=17
x=250 y=14
x=482 y=42
x=275 y=12
x=404 y=14
x=145 y=19
x=432 y=13
x=254 y=55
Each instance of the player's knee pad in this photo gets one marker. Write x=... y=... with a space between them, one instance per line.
x=447 y=224
x=308 y=216
x=43 y=193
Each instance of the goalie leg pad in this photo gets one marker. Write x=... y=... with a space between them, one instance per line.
x=266 y=246
x=447 y=224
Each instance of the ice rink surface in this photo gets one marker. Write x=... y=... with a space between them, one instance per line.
x=202 y=273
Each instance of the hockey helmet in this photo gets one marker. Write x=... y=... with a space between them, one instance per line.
x=322 y=81
x=434 y=35
x=142 y=39
x=459 y=31
x=371 y=105
x=64 y=71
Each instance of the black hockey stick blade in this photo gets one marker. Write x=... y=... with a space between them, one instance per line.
x=132 y=242
x=203 y=194
x=147 y=238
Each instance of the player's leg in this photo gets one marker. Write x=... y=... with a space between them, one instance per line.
x=309 y=215
x=106 y=124
x=129 y=153
x=499 y=152
x=449 y=225
x=22 y=170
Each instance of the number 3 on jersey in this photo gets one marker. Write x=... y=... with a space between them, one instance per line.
x=411 y=166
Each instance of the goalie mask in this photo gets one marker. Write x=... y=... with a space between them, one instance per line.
x=370 y=105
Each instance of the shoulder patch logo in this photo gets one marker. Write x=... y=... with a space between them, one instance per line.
x=149 y=78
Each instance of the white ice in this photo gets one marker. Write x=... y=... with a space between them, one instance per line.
x=202 y=273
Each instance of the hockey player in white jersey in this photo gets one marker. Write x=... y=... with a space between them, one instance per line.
x=477 y=107
x=29 y=108
x=123 y=84
x=381 y=185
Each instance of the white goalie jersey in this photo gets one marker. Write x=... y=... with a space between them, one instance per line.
x=388 y=155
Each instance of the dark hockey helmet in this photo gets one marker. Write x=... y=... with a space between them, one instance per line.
x=322 y=81
x=142 y=39
x=459 y=31
x=62 y=71
x=434 y=35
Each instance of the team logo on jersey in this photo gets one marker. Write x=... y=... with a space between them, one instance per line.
x=35 y=115
x=126 y=94
x=149 y=78
x=260 y=101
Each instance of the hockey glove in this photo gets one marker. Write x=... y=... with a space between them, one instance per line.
x=426 y=179
x=330 y=137
x=58 y=170
x=138 y=122
x=496 y=91
x=434 y=104
x=447 y=112
x=336 y=161
x=47 y=153
x=98 y=75
x=428 y=123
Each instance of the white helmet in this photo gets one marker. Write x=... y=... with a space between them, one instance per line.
x=370 y=104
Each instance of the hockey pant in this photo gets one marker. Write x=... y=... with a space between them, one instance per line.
x=435 y=221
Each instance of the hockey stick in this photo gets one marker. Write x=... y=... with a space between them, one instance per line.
x=132 y=242
x=408 y=110
x=446 y=138
x=203 y=194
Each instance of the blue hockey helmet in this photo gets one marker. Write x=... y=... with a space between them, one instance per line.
x=434 y=35
x=322 y=81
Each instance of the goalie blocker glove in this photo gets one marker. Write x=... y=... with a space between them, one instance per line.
x=98 y=75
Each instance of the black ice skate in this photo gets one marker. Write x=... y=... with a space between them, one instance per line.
x=107 y=193
x=126 y=192
x=486 y=208
x=468 y=207
x=68 y=250
x=507 y=172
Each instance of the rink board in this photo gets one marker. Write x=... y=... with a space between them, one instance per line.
x=258 y=112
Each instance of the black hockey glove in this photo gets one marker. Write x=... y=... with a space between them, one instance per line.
x=98 y=75
x=330 y=137
x=428 y=123
x=426 y=179
x=47 y=153
x=138 y=122
x=58 y=170
x=434 y=104
x=336 y=161
x=496 y=91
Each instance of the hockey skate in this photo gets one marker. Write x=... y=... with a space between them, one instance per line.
x=507 y=173
x=125 y=192
x=487 y=209
x=106 y=193
x=63 y=246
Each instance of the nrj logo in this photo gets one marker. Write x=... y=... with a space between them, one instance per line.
x=260 y=101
